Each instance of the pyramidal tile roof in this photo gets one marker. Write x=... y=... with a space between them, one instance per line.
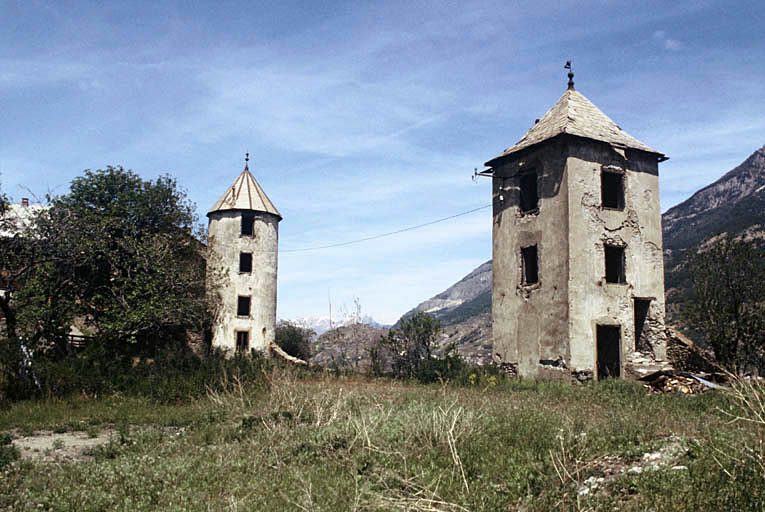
x=245 y=194
x=576 y=115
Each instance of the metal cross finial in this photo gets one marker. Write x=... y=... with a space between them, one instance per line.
x=247 y=161
x=570 y=75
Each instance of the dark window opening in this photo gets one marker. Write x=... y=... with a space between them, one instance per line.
x=245 y=262
x=243 y=306
x=615 y=264
x=612 y=190
x=530 y=265
x=528 y=189
x=248 y=221
x=608 y=344
x=641 y=307
x=242 y=342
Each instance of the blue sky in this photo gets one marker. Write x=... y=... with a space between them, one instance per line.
x=363 y=118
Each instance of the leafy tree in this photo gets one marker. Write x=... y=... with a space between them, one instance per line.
x=411 y=345
x=728 y=301
x=294 y=340
x=3 y=203
x=120 y=254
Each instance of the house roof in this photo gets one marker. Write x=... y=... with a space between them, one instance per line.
x=19 y=218
x=576 y=115
x=245 y=194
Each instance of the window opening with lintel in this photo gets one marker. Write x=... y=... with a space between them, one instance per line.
x=529 y=196
x=243 y=306
x=612 y=190
x=530 y=265
x=614 y=263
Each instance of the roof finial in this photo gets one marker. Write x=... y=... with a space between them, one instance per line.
x=247 y=161
x=570 y=75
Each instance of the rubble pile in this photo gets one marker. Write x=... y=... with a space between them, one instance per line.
x=680 y=382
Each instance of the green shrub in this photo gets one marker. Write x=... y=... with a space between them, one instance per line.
x=172 y=374
x=449 y=367
x=8 y=452
x=294 y=340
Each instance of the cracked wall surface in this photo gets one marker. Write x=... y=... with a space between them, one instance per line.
x=555 y=320
x=529 y=323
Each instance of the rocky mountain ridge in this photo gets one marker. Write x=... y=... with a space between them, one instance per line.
x=322 y=324
x=464 y=299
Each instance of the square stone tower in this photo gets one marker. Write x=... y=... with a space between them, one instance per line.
x=243 y=243
x=578 y=278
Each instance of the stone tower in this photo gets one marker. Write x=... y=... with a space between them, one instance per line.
x=243 y=238
x=578 y=280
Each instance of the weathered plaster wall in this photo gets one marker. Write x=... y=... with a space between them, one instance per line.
x=549 y=328
x=637 y=228
x=225 y=244
x=529 y=323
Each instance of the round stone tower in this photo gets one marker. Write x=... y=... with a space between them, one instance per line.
x=243 y=238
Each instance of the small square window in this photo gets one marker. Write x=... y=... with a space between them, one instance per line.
x=612 y=190
x=530 y=265
x=245 y=262
x=529 y=200
x=242 y=342
x=243 y=306
x=614 y=256
x=248 y=222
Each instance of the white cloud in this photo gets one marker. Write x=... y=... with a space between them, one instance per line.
x=667 y=42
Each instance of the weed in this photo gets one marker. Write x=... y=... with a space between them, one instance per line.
x=298 y=440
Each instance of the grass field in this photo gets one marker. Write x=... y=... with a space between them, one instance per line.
x=301 y=441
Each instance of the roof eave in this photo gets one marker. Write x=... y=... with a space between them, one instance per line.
x=219 y=210
x=660 y=157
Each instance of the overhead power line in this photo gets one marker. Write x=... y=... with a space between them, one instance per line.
x=390 y=233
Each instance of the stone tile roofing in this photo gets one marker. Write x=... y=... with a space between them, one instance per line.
x=576 y=115
x=245 y=194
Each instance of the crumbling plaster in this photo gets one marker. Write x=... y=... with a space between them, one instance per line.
x=555 y=320
x=637 y=228
x=530 y=322
x=226 y=243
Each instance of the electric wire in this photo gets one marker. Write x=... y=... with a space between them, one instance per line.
x=389 y=233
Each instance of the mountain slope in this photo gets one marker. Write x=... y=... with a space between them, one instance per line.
x=469 y=296
x=732 y=203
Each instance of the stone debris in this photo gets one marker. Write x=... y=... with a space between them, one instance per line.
x=611 y=467
x=680 y=382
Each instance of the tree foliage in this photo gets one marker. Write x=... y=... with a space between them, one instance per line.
x=728 y=302
x=119 y=254
x=410 y=346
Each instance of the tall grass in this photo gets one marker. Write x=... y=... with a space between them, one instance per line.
x=305 y=441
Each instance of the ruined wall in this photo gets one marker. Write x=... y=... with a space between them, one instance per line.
x=225 y=244
x=636 y=228
x=529 y=323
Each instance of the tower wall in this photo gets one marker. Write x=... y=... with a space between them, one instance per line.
x=637 y=229
x=530 y=322
x=225 y=244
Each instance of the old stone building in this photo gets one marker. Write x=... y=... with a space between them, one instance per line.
x=243 y=238
x=578 y=273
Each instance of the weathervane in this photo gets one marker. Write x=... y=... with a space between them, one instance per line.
x=247 y=161
x=570 y=75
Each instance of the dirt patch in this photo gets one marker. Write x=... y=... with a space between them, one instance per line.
x=49 y=446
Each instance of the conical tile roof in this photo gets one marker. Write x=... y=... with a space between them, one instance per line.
x=576 y=115
x=245 y=194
